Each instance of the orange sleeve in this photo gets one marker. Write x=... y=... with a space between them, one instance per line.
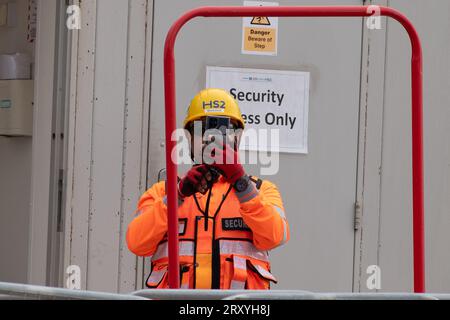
x=150 y=224
x=263 y=212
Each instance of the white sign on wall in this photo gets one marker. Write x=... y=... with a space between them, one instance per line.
x=268 y=99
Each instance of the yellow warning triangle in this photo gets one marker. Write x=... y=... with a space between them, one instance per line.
x=261 y=21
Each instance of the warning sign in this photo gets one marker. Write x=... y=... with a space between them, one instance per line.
x=261 y=20
x=260 y=40
x=259 y=34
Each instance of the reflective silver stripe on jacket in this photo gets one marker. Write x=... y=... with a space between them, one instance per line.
x=186 y=248
x=284 y=240
x=237 y=285
x=283 y=216
x=243 y=248
x=284 y=233
x=156 y=277
x=181 y=227
x=280 y=212
x=239 y=264
x=185 y=286
x=265 y=273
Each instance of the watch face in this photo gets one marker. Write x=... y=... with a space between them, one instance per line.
x=241 y=184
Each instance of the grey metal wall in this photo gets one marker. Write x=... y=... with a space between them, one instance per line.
x=15 y=172
x=359 y=138
x=386 y=235
x=15 y=161
x=107 y=140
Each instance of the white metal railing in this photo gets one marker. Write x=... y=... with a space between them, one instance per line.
x=13 y=291
x=32 y=292
x=182 y=294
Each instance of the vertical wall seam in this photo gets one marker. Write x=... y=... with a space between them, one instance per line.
x=76 y=115
x=143 y=165
x=124 y=151
x=92 y=144
x=55 y=155
x=76 y=101
x=367 y=81
x=147 y=167
x=359 y=190
x=382 y=140
x=144 y=184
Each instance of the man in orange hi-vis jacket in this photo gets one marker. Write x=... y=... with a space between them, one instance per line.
x=228 y=221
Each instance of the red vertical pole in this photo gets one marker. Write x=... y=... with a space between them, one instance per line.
x=418 y=183
x=171 y=167
x=418 y=165
x=332 y=11
x=417 y=148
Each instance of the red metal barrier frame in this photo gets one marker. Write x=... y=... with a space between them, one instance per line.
x=296 y=11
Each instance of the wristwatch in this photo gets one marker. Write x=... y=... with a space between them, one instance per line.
x=242 y=183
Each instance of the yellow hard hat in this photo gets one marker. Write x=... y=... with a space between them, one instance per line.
x=213 y=102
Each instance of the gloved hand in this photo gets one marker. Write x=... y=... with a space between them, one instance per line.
x=227 y=163
x=195 y=180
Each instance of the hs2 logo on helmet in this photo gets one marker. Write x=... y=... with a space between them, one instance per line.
x=214 y=105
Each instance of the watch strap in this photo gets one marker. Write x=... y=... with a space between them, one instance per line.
x=248 y=194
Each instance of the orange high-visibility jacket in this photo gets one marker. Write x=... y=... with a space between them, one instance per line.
x=227 y=250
